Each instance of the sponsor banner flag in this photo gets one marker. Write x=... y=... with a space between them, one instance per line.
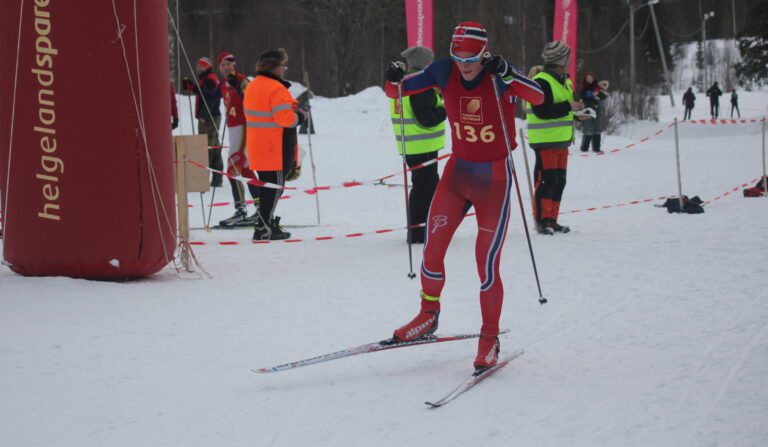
x=566 y=29
x=418 y=18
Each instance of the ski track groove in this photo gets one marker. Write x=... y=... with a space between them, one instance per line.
x=726 y=382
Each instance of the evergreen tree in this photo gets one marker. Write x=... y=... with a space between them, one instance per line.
x=753 y=46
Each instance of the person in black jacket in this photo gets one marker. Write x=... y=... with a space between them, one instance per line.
x=429 y=115
x=714 y=94
x=689 y=101
x=207 y=101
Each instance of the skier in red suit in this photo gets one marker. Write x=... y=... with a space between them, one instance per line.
x=477 y=174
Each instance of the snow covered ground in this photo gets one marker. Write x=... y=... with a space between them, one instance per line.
x=656 y=330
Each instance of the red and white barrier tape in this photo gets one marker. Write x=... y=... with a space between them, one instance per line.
x=312 y=191
x=720 y=122
x=619 y=149
x=390 y=230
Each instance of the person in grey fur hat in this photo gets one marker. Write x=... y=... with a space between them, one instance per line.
x=424 y=117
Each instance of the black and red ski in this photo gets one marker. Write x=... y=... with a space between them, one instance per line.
x=383 y=345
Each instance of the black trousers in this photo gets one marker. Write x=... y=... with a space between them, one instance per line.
x=268 y=197
x=424 y=182
x=238 y=192
x=687 y=114
x=714 y=109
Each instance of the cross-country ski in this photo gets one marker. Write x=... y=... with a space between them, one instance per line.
x=473 y=380
x=383 y=345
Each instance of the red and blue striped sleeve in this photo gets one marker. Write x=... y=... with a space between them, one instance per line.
x=525 y=88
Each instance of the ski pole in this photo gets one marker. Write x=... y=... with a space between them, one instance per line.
x=405 y=176
x=542 y=300
x=309 y=143
x=210 y=209
x=765 y=179
x=191 y=115
x=527 y=172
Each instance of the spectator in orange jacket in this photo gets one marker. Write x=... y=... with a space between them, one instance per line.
x=271 y=116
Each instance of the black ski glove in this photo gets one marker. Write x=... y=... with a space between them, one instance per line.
x=495 y=65
x=174 y=123
x=395 y=72
x=232 y=80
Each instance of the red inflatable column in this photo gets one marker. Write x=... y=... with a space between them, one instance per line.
x=90 y=185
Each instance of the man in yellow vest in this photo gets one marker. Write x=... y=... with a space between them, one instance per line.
x=550 y=133
x=424 y=118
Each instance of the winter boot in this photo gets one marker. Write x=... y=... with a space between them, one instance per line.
x=488 y=348
x=543 y=227
x=552 y=223
x=277 y=233
x=585 y=140
x=596 y=143
x=261 y=232
x=239 y=219
x=424 y=324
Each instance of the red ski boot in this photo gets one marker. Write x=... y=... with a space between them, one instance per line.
x=488 y=348
x=425 y=322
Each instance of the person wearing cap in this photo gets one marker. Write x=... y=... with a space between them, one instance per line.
x=207 y=100
x=232 y=92
x=550 y=133
x=424 y=123
x=478 y=173
x=271 y=119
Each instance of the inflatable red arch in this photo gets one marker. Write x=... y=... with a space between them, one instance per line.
x=85 y=131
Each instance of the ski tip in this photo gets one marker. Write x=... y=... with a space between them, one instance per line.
x=263 y=370
x=432 y=405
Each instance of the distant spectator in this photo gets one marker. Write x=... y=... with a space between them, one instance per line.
x=593 y=94
x=735 y=102
x=232 y=92
x=714 y=94
x=208 y=114
x=689 y=101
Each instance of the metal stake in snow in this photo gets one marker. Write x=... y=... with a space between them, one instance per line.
x=309 y=143
x=679 y=180
x=405 y=176
x=542 y=300
x=765 y=180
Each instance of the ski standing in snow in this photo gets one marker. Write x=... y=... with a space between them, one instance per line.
x=479 y=174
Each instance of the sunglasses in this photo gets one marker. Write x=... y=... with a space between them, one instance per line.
x=468 y=60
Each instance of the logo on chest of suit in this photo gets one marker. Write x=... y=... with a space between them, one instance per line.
x=471 y=109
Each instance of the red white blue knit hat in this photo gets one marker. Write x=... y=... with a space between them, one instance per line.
x=470 y=37
x=204 y=62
